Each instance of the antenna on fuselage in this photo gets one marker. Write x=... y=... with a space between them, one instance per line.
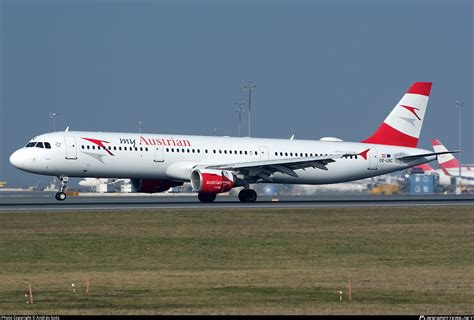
x=67 y=129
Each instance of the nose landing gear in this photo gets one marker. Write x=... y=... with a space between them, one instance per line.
x=61 y=195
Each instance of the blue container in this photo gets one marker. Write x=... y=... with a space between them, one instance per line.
x=421 y=184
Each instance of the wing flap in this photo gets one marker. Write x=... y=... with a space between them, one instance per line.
x=263 y=169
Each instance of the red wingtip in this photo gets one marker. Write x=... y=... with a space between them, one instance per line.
x=436 y=142
x=423 y=88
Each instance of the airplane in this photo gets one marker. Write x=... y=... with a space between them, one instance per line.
x=450 y=165
x=213 y=165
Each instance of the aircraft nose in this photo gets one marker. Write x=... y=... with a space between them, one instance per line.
x=17 y=159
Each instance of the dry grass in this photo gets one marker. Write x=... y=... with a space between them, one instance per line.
x=239 y=261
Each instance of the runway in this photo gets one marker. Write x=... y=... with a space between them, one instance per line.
x=44 y=201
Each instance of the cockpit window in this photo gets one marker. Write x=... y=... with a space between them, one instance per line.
x=47 y=145
x=39 y=145
x=30 y=144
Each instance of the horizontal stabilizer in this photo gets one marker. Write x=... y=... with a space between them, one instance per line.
x=418 y=156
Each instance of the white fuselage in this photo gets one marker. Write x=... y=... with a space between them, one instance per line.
x=172 y=157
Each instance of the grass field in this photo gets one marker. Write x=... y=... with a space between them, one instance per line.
x=416 y=260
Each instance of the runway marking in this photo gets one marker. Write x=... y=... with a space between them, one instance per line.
x=83 y=207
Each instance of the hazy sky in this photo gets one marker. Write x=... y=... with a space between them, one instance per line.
x=322 y=68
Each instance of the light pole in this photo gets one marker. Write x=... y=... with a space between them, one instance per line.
x=140 y=126
x=249 y=87
x=240 y=109
x=53 y=116
x=459 y=104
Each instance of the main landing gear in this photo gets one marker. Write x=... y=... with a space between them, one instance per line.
x=206 y=197
x=61 y=196
x=245 y=195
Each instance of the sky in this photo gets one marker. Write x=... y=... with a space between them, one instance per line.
x=321 y=68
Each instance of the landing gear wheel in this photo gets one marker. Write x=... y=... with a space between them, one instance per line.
x=61 y=196
x=247 y=195
x=206 y=197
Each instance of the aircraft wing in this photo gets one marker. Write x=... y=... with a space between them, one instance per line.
x=418 y=156
x=264 y=169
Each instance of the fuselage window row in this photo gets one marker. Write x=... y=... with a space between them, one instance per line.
x=235 y=152
x=114 y=148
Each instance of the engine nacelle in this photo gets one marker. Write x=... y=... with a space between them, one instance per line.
x=153 y=185
x=212 y=181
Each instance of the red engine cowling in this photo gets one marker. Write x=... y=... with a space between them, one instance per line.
x=153 y=185
x=212 y=181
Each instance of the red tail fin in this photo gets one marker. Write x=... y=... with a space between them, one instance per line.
x=403 y=125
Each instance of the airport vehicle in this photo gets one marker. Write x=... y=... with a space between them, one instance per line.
x=157 y=162
x=385 y=188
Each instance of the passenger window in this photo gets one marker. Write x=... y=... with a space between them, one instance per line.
x=220 y=151
x=240 y=151
x=125 y=148
x=206 y=150
x=39 y=145
x=193 y=150
x=225 y=151
x=120 y=148
x=167 y=150
x=82 y=147
x=245 y=152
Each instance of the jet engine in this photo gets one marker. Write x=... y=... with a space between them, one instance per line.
x=153 y=185
x=212 y=181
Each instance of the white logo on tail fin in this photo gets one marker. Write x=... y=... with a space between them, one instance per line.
x=402 y=126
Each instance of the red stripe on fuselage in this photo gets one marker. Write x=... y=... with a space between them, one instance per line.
x=387 y=135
